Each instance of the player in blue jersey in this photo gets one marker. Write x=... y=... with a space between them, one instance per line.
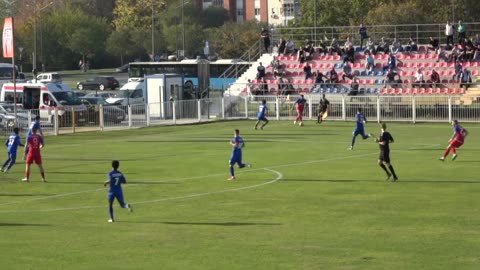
x=115 y=180
x=34 y=124
x=360 y=129
x=237 y=144
x=12 y=143
x=262 y=111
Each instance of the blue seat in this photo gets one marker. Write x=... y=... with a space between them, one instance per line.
x=338 y=65
x=363 y=73
x=371 y=73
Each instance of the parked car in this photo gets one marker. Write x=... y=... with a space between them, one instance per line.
x=7 y=116
x=122 y=69
x=99 y=82
x=101 y=95
x=79 y=93
x=49 y=78
x=111 y=113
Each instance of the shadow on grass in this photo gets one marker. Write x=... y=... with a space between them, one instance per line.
x=207 y=223
x=23 y=224
x=383 y=181
x=70 y=172
x=24 y=195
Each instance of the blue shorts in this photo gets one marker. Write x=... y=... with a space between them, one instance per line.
x=236 y=158
x=116 y=194
x=12 y=155
x=360 y=131
x=262 y=118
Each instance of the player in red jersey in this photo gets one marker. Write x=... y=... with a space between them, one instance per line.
x=459 y=134
x=34 y=144
x=300 y=107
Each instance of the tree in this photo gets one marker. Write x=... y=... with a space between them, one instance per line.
x=232 y=40
x=122 y=43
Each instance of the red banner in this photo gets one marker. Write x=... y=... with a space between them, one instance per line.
x=7 y=38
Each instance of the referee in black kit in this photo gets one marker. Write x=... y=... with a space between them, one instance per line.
x=384 y=159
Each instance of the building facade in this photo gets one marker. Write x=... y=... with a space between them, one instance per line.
x=273 y=12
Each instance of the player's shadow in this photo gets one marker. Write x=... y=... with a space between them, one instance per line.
x=208 y=223
x=23 y=224
x=383 y=181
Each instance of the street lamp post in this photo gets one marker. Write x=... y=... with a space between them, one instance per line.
x=153 y=33
x=20 y=49
x=34 y=54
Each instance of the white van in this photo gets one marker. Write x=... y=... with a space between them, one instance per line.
x=133 y=92
x=49 y=78
x=45 y=98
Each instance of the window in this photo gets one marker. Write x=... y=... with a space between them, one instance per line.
x=289 y=10
x=257 y=11
x=240 y=12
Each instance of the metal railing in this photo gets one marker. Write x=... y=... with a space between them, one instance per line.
x=420 y=32
x=403 y=108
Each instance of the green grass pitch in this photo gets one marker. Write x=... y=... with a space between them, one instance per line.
x=307 y=202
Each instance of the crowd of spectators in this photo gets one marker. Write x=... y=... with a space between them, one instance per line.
x=464 y=50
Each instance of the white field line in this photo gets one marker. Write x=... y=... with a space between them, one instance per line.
x=278 y=178
x=269 y=168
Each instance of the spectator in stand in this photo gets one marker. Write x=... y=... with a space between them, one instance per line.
x=278 y=68
x=354 y=87
x=335 y=47
x=265 y=35
x=390 y=78
x=319 y=77
x=461 y=51
x=476 y=45
x=391 y=62
x=349 y=55
x=419 y=79
x=308 y=47
x=347 y=71
x=332 y=76
x=411 y=46
x=301 y=55
x=363 y=34
x=249 y=87
x=370 y=65
x=433 y=45
x=322 y=48
x=260 y=71
x=449 y=33
x=263 y=86
x=281 y=46
x=285 y=86
x=347 y=45
x=434 y=78
x=458 y=71
x=370 y=46
x=466 y=79
x=469 y=50
x=462 y=30
x=307 y=70
x=290 y=48
x=396 y=46
x=383 y=46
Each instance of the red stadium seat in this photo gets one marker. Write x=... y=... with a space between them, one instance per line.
x=357 y=65
x=422 y=91
x=408 y=91
x=384 y=91
x=391 y=91
x=475 y=73
x=399 y=91
x=429 y=91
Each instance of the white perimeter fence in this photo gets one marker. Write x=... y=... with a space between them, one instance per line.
x=431 y=108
